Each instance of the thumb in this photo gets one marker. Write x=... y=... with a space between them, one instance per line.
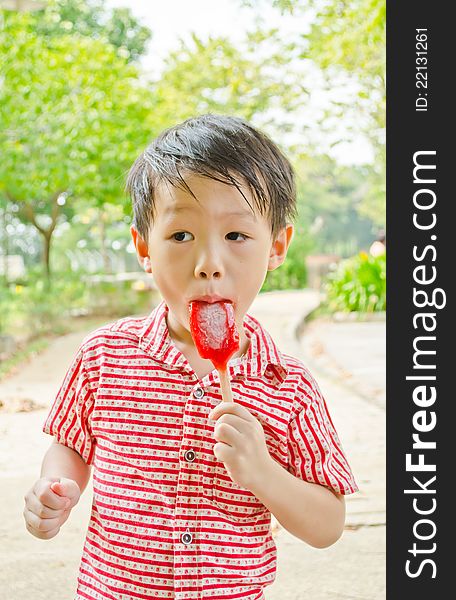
x=68 y=488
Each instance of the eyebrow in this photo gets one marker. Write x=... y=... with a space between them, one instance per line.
x=172 y=210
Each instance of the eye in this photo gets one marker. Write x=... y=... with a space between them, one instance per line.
x=235 y=233
x=180 y=236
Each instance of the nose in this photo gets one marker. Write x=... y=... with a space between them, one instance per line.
x=208 y=264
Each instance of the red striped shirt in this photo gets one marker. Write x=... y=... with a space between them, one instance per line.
x=167 y=521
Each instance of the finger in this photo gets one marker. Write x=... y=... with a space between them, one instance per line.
x=41 y=525
x=40 y=510
x=235 y=421
x=49 y=498
x=226 y=433
x=42 y=535
x=232 y=408
x=223 y=452
x=66 y=487
x=66 y=514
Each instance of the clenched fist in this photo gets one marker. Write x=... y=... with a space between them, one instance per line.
x=48 y=505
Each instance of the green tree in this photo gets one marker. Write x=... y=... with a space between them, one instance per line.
x=214 y=75
x=328 y=221
x=329 y=197
x=90 y=18
x=73 y=116
x=347 y=39
x=351 y=36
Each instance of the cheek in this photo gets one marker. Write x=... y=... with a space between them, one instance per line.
x=251 y=272
x=170 y=270
x=255 y=261
x=167 y=257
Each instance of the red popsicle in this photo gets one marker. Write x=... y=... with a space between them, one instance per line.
x=213 y=328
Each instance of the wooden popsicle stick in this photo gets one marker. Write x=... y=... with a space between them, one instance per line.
x=227 y=395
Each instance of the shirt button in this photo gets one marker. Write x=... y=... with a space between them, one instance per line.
x=186 y=538
x=198 y=393
x=190 y=455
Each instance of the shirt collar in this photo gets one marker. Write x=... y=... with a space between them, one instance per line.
x=262 y=354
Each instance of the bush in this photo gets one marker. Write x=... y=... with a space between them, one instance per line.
x=38 y=307
x=116 y=299
x=6 y=306
x=357 y=284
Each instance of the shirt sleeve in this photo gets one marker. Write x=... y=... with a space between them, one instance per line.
x=315 y=453
x=69 y=418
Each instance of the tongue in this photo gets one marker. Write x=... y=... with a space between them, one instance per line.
x=214 y=331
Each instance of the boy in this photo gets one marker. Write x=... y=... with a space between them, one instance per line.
x=184 y=485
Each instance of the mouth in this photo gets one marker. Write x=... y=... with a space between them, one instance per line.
x=210 y=299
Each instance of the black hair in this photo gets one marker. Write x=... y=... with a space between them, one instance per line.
x=226 y=149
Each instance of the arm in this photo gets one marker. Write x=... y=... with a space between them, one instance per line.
x=309 y=511
x=63 y=462
x=64 y=475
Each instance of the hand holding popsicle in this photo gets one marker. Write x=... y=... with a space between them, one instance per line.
x=216 y=337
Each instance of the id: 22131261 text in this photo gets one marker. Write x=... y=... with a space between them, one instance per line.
x=421 y=74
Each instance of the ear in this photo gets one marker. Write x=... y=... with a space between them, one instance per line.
x=142 y=250
x=280 y=246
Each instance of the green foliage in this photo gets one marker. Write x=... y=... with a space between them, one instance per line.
x=216 y=76
x=64 y=101
x=118 y=298
x=37 y=307
x=6 y=306
x=90 y=18
x=347 y=41
x=358 y=284
x=125 y=32
x=351 y=37
x=329 y=200
x=73 y=117
x=373 y=204
x=75 y=114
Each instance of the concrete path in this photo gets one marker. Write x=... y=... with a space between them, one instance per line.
x=35 y=383
x=353 y=353
x=351 y=569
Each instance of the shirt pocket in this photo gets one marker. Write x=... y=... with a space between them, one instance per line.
x=232 y=499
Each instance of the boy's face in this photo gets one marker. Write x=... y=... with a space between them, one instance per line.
x=213 y=246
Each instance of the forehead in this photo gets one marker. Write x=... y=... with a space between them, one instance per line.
x=207 y=197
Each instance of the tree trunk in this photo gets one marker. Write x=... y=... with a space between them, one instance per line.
x=47 y=235
x=27 y=212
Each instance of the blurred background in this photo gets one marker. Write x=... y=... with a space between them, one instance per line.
x=85 y=85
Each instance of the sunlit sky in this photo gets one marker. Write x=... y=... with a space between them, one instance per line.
x=170 y=20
